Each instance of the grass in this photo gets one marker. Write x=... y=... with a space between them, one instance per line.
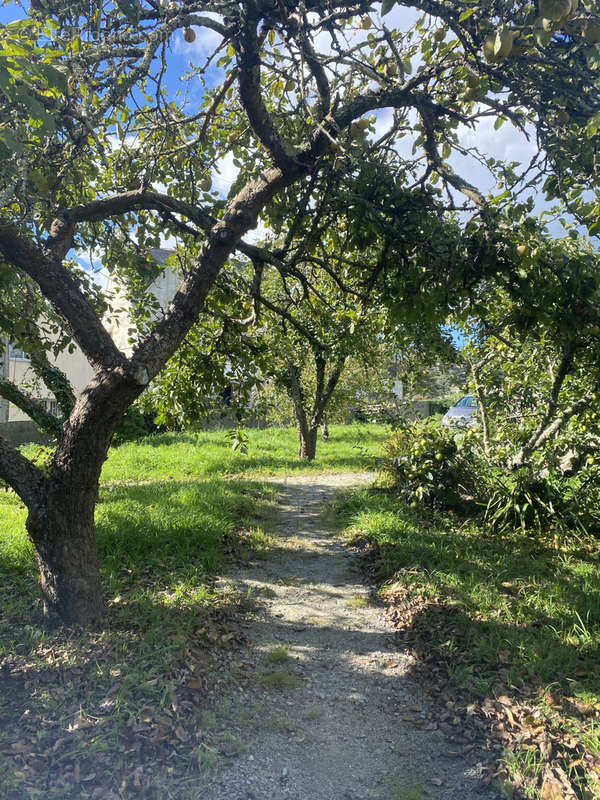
x=279 y=680
x=278 y=655
x=172 y=511
x=398 y=791
x=512 y=616
x=359 y=601
x=270 y=452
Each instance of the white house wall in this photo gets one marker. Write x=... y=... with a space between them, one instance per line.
x=74 y=365
x=163 y=289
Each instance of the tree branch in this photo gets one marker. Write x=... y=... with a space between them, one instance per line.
x=20 y=474
x=222 y=240
x=56 y=381
x=35 y=409
x=248 y=57
x=62 y=290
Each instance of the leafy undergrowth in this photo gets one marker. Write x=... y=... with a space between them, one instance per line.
x=126 y=712
x=507 y=633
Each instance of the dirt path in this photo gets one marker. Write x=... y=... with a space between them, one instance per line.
x=338 y=718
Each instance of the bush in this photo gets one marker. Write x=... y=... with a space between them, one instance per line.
x=446 y=468
x=135 y=425
x=529 y=502
x=433 y=465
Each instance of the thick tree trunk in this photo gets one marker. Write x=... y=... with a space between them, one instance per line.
x=62 y=529
x=61 y=512
x=307 y=439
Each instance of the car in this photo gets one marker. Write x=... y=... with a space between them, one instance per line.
x=462 y=413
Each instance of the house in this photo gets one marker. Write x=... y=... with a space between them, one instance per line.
x=16 y=365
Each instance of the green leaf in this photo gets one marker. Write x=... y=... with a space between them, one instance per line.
x=499 y=197
x=499 y=123
x=387 y=6
x=466 y=14
x=8 y=138
x=594 y=228
x=54 y=77
x=130 y=9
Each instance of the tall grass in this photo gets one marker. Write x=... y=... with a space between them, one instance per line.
x=508 y=614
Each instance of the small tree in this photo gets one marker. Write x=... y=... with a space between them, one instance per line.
x=534 y=359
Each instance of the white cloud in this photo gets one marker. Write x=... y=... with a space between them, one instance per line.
x=224 y=174
x=506 y=144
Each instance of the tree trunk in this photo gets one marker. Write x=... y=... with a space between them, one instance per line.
x=61 y=511
x=61 y=527
x=307 y=438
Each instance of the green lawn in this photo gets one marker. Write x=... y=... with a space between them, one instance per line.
x=173 y=510
x=170 y=507
x=270 y=452
x=513 y=616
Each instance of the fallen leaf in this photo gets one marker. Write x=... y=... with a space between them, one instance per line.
x=551 y=790
x=146 y=714
x=181 y=734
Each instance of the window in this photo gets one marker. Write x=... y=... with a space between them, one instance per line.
x=17 y=353
x=467 y=402
x=52 y=407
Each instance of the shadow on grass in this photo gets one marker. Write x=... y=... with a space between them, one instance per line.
x=541 y=595
x=168 y=536
x=514 y=616
x=72 y=701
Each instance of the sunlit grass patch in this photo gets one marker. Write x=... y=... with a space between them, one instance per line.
x=358 y=601
x=278 y=655
x=160 y=544
x=270 y=451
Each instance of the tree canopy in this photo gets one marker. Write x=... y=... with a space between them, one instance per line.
x=110 y=145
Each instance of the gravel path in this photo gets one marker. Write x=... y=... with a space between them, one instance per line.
x=339 y=718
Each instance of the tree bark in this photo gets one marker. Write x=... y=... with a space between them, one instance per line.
x=61 y=526
x=61 y=508
x=307 y=440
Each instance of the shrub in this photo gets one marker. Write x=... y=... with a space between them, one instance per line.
x=433 y=465
x=530 y=502
x=135 y=425
x=447 y=468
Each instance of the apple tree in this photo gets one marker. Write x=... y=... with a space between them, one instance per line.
x=109 y=143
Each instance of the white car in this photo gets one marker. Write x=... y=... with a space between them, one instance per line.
x=461 y=413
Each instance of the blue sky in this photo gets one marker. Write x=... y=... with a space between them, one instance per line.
x=506 y=144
